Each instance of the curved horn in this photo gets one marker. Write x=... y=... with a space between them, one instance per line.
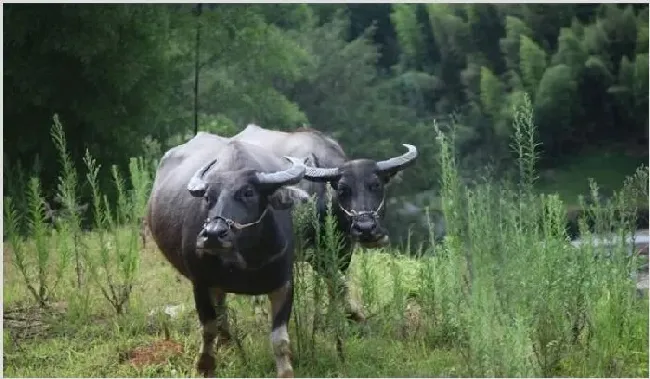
x=321 y=174
x=292 y=175
x=197 y=185
x=397 y=163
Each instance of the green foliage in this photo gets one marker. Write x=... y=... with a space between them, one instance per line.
x=242 y=69
x=404 y=18
x=450 y=31
x=44 y=257
x=42 y=260
x=642 y=37
x=107 y=72
x=570 y=51
x=513 y=290
x=122 y=78
x=641 y=77
x=532 y=39
x=486 y=27
x=504 y=293
x=491 y=92
x=525 y=143
x=510 y=44
x=555 y=105
x=545 y=22
x=532 y=60
x=631 y=90
x=37 y=229
x=114 y=270
x=68 y=192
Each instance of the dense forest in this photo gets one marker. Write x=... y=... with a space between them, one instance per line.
x=122 y=78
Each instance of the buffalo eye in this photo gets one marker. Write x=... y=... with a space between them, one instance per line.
x=209 y=201
x=374 y=187
x=248 y=192
x=343 y=191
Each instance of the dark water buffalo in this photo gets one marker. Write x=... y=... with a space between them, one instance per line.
x=359 y=184
x=220 y=213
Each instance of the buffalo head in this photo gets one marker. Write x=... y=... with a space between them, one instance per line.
x=360 y=193
x=235 y=204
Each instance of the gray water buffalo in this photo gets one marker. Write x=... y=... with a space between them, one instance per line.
x=359 y=191
x=220 y=212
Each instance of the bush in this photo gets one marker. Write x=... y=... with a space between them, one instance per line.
x=504 y=293
x=114 y=269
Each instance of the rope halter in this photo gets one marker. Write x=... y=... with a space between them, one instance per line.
x=234 y=224
x=353 y=214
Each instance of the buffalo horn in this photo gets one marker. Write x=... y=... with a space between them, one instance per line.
x=322 y=173
x=197 y=186
x=292 y=175
x=397 y=163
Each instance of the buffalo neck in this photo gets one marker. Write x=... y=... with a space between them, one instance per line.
x=260 y=242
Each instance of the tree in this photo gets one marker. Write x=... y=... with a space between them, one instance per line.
x=570 y=51
x=404 y=18
x=510 y=44
x=485 y=28
x=546 y=21
x=491 y=93
x=105 y=69
x=452 y=39
x=554 y=106
x=532 y=61
x=620 y=29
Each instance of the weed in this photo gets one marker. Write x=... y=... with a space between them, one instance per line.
x=505 y=293
x=114 y=270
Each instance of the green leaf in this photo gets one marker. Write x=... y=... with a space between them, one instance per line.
x=532 y=63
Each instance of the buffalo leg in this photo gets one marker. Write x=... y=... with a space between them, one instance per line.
x=223 y=329
x=205 y=365
x=353 y=309
x=281 y=305
x=337 y=286
x=339 y=290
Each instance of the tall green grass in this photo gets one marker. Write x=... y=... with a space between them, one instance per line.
x=505 y=293
x=111 y=264
x=506 y=289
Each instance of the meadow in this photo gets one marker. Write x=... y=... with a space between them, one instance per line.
x=504 y=293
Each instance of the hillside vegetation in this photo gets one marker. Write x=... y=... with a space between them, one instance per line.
x=121 y=77
x=504 y=293
x=521 y=113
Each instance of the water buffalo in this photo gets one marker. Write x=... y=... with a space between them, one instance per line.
x=359 y=196
x=220 y=212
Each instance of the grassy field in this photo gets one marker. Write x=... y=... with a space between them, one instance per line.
x=410 y=332
x=504 y=295
x=102 y=344
x=608 y=168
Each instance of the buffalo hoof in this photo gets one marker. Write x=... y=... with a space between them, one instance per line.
x=354 y=312
x=286 y=374
x=206 y=365
x=357 y=317
x=224 y=338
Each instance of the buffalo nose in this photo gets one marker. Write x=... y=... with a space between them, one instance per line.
x=217 y=230
x=364 y=227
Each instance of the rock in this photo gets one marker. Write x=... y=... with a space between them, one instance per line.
x=170 y=310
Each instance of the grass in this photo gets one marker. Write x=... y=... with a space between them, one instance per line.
x=398 y=341
x=608 y=168
x=96 y=344
x=504 y=294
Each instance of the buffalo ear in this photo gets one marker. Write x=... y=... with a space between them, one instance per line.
x=198 y=191
x=390 y=178
x=286 y=197
x=197 y=186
